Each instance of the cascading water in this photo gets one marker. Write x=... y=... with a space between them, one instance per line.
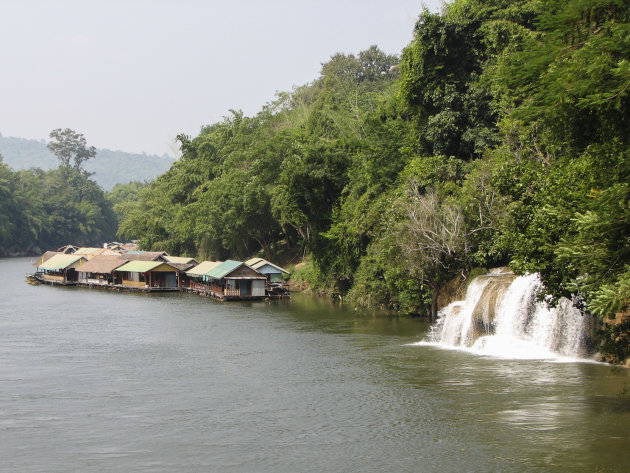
x=501 y=316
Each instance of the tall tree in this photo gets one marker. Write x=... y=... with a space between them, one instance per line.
x=70 y=148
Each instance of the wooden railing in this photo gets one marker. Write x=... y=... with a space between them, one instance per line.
x=198 y=286
x=217 y=290
x=133 y=283
x=52 y=277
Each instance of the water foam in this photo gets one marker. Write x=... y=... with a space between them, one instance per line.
x=520 y=326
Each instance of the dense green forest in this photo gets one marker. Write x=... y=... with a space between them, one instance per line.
x=107 y=169
x=499 y=137
x=43 y=210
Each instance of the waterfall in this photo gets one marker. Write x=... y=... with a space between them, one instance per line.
x=501 y=316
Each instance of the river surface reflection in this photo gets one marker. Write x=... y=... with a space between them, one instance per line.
x=95 y=381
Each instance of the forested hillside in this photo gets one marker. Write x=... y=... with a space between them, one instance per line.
x=108 y=167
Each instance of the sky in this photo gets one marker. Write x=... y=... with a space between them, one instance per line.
x=131 y=75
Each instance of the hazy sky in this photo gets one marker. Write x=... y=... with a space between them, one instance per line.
x=132 y=74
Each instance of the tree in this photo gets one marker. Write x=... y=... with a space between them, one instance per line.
x=70 y=147
x=7 y=225
x=440 y=85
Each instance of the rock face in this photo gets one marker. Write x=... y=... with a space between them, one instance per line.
x=498 y=282
x=454 y=290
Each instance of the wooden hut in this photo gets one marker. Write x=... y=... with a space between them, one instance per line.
x=99 y=270
x=148 y=276
x=195 y=276
x=271 y=271
x=60 y=269
x=232 y=280
x=45 y=257
x=275 y=286
x=183 y=263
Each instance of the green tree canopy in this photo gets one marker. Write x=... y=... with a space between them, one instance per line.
x=70 y=148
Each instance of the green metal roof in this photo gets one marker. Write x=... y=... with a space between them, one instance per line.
x=138 y=266
x=223 y=269
x=60 y=261
x=203 y=268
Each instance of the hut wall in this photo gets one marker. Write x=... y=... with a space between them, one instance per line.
x=258 y=287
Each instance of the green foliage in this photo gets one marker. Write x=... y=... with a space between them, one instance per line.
x=382 y=280
x=613 y=297
x=616 y=341
x=307 y=275
x=8 y=210
x=122 y=198
x=122 y=193
x=572 y=76
x=248 y=184
x=49 y=209
x=440 y=81
x=566 y=126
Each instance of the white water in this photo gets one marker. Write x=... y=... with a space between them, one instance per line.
x=521 y=328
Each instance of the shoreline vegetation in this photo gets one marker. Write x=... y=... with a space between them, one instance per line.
x=499 y=137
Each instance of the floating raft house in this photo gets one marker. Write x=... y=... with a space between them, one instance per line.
x=60 y=269
x=157 y=271
x=149 y=275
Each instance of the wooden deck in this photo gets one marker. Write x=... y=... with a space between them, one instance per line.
x=54 y=280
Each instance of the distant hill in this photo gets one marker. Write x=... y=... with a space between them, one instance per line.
x=109 y=167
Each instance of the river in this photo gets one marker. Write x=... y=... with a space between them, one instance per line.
x=97 y=381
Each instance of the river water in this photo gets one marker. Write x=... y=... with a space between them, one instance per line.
x=96 y=381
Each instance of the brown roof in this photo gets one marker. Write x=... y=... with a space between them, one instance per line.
x=129 y=246
x=103 y=264
x=45 y=256
x=183 y=266
x=146 y=256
